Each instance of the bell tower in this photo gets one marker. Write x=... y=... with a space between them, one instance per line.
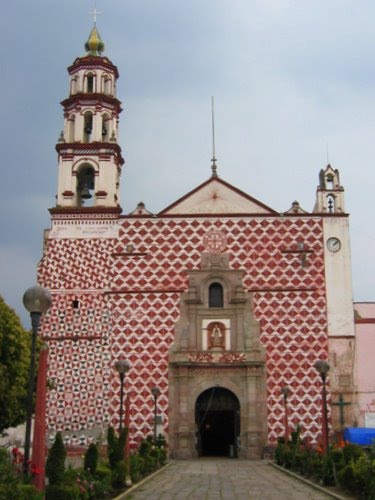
x=89 y=157
x=338 y=281
x=330 y=194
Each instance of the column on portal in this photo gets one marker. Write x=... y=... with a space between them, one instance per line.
x=252 y=420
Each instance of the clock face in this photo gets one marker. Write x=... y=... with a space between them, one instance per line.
x=333 y=244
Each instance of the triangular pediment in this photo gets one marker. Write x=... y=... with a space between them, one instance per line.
x=216 y=196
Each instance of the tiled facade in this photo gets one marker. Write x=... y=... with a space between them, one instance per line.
x=128 y=304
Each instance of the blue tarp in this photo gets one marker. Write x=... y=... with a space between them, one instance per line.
x=360 y=435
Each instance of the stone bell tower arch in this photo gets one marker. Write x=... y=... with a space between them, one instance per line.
x=216 y=345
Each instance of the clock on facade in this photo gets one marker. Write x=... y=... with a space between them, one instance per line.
x=333 y=244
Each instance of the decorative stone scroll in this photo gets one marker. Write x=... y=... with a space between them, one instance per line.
x=208 y=357
x=201 y=357
x=232 y=357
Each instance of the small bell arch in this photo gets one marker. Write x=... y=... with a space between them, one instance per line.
x=85 y=185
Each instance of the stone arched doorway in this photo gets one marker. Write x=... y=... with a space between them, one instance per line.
x=217 y=418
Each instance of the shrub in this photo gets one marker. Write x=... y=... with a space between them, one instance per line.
x=145 y=446
x=55 y=465
x=102 y=483
x=8 y=479
x=364 y=471
x=326 y=473
x=352 y=452
x=136 y=467
x=91 y=458
x=103 y=473
x=162 y=452
x=28 y=492
x=118 y=475
x=116 y=446
x=346 y=478
x=149 y=455
x=115 y=450
x=62 y=492
x=347 y=465
x=150 y=464
x=284 y=455
x=160 y=441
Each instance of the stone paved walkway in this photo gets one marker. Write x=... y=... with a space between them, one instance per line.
x=218 y=479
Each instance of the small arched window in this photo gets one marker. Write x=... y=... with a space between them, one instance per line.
x=106 y=84
x=329 y=181
x=74 y=85
x=215 y=295
x=87 y=131
x=71 y=129
x=90 y=82
x=105 y=128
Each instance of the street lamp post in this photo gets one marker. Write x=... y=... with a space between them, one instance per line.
x=323 y=367
x=155 y=391
x=37 y=301
x=122 y=366
x=286 y=391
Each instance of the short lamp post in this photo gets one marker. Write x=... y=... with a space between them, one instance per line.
x=37 y=301
x=155 y=391
x=323 y=367
x=122 y=366
x=286 y=391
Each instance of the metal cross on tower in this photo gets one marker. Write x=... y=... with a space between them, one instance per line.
x=95 y=13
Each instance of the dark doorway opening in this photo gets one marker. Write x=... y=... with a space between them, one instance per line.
x=217 y=413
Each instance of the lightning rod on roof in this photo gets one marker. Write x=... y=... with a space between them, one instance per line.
x=213 y=159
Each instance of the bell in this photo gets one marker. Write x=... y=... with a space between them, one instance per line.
x=85 y=193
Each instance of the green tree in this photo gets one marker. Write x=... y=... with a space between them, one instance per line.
x=91 y=458
x=115 y=451
x=55 y=464
x=14 y=367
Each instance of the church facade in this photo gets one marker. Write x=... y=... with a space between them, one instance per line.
x=218 y=300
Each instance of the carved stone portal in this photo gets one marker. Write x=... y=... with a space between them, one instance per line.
x=217 y=387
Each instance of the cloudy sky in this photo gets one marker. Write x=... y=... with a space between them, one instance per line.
x=294 y=85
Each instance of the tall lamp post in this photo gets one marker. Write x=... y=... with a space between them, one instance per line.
x=323 y=367
x=122 y=366
x=286 y=391
x=155 y=391
x=37 y=301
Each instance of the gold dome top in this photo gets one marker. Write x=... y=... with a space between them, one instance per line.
x=94 y=44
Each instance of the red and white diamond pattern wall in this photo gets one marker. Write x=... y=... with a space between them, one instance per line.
x=129 y=291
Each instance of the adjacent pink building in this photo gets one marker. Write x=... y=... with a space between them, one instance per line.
x=365 y=363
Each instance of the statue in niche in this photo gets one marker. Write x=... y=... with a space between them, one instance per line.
x=216 y=335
